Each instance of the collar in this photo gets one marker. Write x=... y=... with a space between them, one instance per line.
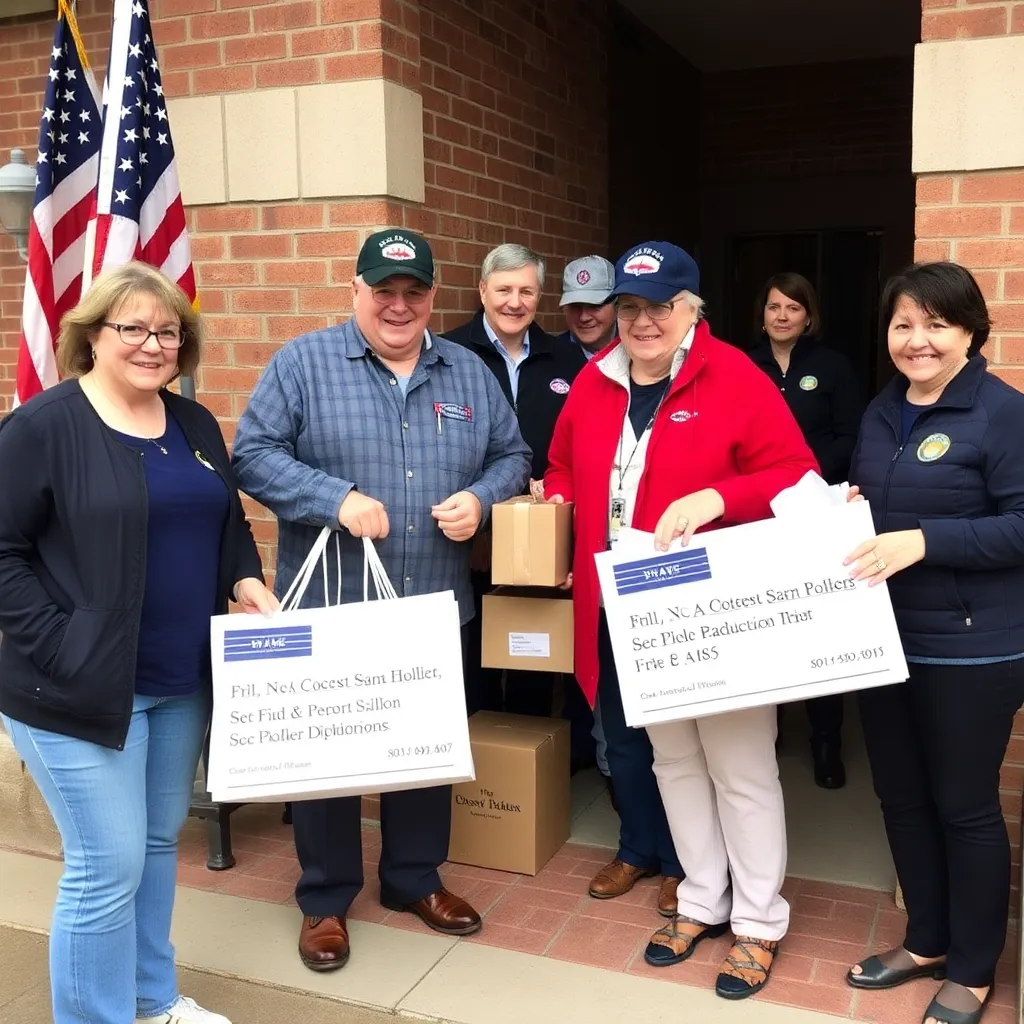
x=614 y=361
x=500 y=345
x=960 y=393
x=356 y=346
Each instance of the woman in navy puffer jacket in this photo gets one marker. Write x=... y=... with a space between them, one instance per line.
x=940 y=457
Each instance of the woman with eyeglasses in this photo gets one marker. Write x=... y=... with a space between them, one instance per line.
x=121 y=534
x=671 y=431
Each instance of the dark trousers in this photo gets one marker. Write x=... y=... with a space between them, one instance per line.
x=936 y=743
x=415 y=826
x=644 y=837
x=825 y=715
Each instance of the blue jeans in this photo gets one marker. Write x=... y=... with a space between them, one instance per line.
x=119 y=813
x=644 y=837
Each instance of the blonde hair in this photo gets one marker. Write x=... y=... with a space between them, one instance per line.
x=108 y=293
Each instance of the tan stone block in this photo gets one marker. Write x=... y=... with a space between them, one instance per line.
x=199 y=148
x=261 y=146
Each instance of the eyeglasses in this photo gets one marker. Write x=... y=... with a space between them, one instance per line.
x=655 y=310
x=411 y=297
x=136 y=335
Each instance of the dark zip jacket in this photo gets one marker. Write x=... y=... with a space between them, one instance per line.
x=73 y=520
x=544 y=380
x=959 y=479
x=821 y=390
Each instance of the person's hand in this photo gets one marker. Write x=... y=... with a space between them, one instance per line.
x=683 y=518
x=567 y=585
x=363 y=516
x=879 y=558
x=459 y=516
x=555 y=499
x=853 y=494
x=254 y=598
x=537 y=490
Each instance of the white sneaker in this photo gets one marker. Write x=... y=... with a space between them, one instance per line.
x=185 y=1011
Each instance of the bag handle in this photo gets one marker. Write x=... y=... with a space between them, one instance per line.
x=295 y=593
x=372 y=564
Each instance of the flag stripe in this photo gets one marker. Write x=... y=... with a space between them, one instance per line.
x=66 y=167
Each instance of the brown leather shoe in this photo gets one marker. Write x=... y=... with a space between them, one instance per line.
x=616 y=879
x=323 y=943
x=667 y=900
x=442 y=911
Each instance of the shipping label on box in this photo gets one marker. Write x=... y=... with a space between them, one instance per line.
x=531 y=543
x=527 y=630
x=516 y=815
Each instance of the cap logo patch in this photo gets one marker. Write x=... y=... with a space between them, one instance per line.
x=583 y=277
x=395 y=247
x=644 y=261
x=559 y=386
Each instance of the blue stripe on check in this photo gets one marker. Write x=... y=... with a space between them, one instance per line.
x=268 y=643
x=662 y=571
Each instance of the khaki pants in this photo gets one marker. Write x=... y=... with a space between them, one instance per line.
x=719 y=782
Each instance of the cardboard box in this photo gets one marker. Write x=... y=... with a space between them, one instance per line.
x=516 y=815
x=528 y=630
x=532 y=543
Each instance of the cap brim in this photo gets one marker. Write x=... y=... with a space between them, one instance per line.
x=589 y=298
x=378 y=274
x=652 y=290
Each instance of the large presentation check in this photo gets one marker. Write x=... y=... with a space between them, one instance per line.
x=749 y=615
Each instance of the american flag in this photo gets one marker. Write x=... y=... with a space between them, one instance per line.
x=66 y=167
x=139 y=212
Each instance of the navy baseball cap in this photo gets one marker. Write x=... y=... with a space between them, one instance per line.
x=657 y=271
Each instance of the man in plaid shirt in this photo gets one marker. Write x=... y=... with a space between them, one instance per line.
x=380 y=428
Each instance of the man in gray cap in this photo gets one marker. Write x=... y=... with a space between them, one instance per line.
x=587 y=285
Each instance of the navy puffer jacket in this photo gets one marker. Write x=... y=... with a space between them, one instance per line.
x=960 y=479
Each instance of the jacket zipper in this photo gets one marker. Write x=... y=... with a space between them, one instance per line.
x=968 y=621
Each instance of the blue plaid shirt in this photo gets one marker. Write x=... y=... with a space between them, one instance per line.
x=328 y=416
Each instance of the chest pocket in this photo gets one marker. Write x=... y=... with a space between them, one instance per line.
x=461 y=444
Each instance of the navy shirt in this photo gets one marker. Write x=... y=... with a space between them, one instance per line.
x=644 y=400
x=908 y=417
x=188 y=508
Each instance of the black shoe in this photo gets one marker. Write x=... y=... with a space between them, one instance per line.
x=875 y=974
x=957 y=993
x=829 y=772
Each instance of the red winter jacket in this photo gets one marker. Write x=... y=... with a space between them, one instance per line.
x=723 y=425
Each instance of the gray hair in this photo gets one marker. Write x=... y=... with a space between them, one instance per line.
x=696 y=303
x=511 y=256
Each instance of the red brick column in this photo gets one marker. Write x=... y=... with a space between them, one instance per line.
x=977 y=219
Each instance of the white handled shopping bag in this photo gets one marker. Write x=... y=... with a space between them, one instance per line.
x=340 y=700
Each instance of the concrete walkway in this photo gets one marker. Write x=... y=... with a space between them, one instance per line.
x=25 y=992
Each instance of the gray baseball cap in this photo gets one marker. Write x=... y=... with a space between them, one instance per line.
x=590 y=279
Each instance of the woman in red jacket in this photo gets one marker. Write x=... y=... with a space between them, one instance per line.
x=672 y=431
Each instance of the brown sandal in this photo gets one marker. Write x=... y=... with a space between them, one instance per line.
x=670 y=946
x=743 y=973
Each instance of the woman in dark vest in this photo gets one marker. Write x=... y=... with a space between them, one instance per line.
x=821 y=390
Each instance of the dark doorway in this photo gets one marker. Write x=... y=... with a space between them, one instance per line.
x=845 y=267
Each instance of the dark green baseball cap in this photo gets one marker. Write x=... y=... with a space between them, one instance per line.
x=395 y=252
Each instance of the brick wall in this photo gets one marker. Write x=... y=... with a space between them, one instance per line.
x=514 y=121
x=807 y=121
x=978 y=220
